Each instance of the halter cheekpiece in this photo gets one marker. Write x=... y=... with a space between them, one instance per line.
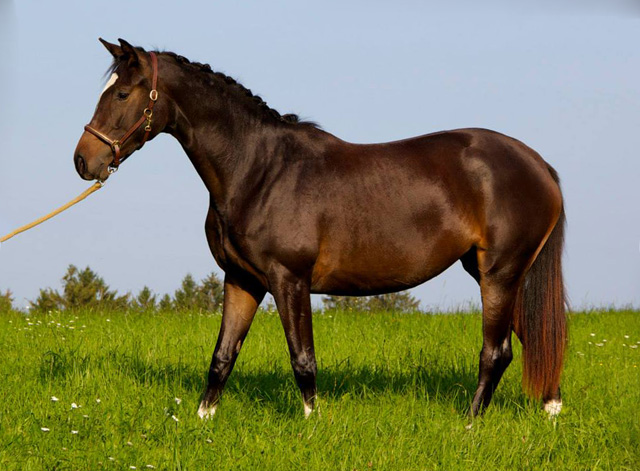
x=145 y=119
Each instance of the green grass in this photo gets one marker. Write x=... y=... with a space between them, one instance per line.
x=394 y=392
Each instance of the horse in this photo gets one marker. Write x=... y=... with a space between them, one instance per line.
x=294 y=210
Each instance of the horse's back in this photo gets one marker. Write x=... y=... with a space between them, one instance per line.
x=399 y=213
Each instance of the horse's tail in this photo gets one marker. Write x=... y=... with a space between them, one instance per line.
x=540 y=315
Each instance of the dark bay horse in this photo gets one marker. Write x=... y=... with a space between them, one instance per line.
x=295 y=210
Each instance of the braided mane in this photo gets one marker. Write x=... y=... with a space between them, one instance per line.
x=262 y=105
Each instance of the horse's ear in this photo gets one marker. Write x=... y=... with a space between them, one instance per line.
x=129 y=51
x=114 y=49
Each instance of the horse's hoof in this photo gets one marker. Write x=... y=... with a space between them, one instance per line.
x=553 y=407
x=308 y=409
x=206 y=412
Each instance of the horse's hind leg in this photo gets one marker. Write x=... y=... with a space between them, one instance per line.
x=241 y=300
x=499 y=291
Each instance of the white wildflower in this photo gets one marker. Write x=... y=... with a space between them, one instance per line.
x=44 y=429
x=626 y=336
x=599 y=345
x=54 y=399
x=178 y=400
x=592 y=334
x=150 y=466
x=98 y=401
x=74 y=432
x=175 y=418
x=74 y=405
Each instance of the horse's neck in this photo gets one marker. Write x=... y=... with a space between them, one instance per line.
x=229 y=150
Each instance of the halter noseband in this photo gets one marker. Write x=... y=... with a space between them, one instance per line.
x=147 y=114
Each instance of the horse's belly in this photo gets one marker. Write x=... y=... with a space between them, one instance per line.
x=383 y=267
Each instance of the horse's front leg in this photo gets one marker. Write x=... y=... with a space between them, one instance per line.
x=241 y=300
x=293 y=299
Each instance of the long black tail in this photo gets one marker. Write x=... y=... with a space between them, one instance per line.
x=540 y=316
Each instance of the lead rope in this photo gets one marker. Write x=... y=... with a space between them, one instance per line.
x=95 y=187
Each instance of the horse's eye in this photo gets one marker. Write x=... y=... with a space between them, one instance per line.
x=123 y=95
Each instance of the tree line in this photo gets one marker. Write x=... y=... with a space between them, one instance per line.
x=85 y=289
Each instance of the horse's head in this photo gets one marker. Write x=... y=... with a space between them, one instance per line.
x=126 y=115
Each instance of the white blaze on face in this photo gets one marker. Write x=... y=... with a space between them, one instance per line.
x=111 y=81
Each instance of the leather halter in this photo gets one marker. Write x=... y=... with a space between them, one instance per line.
x=147 y=114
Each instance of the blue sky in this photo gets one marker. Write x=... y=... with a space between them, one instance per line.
x=561 y=78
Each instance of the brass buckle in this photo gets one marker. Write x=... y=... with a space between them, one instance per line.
x=148 y=113
x=153 y=95
x=114 y=144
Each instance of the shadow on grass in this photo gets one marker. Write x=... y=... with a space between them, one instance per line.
x=275 y=388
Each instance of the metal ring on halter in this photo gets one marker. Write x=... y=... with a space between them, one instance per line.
x=145 y=119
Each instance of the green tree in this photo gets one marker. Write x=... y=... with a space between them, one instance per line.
x=47 y=300
x=210 y=293
x=80 y=289
x=392 y=302
x=345 y=303
x=165 y=303
x=184 y=298
x=145 y=301
x=6 y=302
x=205 y=296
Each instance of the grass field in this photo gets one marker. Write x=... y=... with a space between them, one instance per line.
x=394 y=392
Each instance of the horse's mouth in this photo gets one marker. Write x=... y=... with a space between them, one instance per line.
x=100 y=174
x=103 y=173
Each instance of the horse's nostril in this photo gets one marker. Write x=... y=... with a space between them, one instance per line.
x=81 y=165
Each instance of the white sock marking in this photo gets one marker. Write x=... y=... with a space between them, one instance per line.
x=111 y=81
x=206 y=412
x=553 y=407
x=307 y=410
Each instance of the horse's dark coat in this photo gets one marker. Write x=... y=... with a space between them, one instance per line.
x=295 y=210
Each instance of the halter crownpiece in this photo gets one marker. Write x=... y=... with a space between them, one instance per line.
x=146 y=117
